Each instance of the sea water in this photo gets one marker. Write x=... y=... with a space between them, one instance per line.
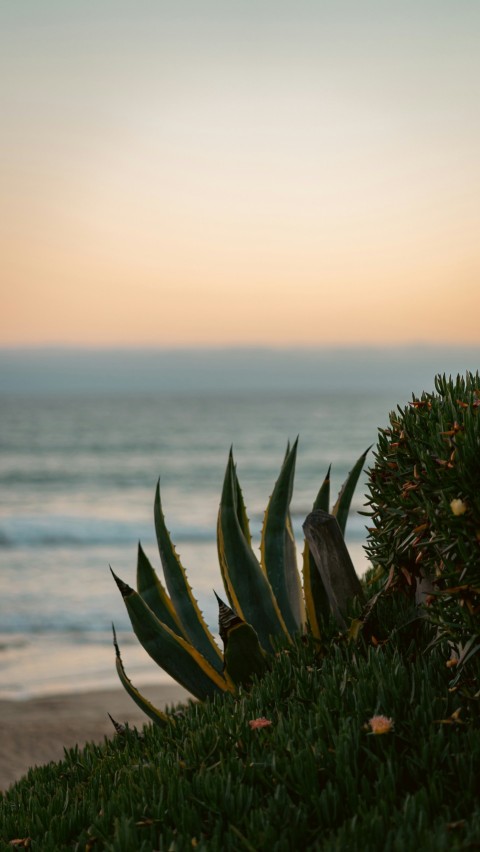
x=78 y=474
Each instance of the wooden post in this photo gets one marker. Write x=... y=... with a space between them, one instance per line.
x=332 y=559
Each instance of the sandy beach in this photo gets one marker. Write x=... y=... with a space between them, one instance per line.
x=36 y=731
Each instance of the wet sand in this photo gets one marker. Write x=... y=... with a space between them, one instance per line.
x=36 y=731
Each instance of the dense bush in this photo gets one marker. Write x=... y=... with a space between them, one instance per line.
x=424 y=493
x=309 y=774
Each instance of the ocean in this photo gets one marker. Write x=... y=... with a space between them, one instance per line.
x=78 y=471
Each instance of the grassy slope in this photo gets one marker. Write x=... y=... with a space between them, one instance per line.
x=316 y=778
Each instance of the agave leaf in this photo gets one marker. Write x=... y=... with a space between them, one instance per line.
x=244 y=656
x=154 y=594
x=152 y=712
x=278 y=548
x=316 y=599
x=342 y=506
x=180 y=592
x=241 y=509
x=247 y=587
x=294 y=583
x=175 y=655
x=322 y=500
x=290 y=545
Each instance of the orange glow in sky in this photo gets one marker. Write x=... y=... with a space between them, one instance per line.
x=242 y=173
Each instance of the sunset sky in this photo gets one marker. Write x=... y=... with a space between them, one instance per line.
x=241 y=172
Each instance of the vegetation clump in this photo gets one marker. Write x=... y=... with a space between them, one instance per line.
x=424 y=494
x=267 y=600
x=331 y=721
x=333 y=749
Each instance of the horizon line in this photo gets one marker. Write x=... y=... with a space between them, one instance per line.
x=220 y=347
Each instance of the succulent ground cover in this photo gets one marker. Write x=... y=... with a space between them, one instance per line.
x=339 y=746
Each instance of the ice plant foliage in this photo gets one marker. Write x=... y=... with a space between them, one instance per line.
x=311 y=781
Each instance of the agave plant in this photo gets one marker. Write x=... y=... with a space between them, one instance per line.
x=266 y=598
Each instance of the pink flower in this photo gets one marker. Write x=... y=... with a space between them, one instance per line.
x=380 y=724
x=259 y=723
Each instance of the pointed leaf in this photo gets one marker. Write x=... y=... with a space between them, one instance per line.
x=242 y=511
x=316 y=599
x=278 y=548
x=247 y=587
x=176 y=656
x=154 y=594
x=180 y=592
x=322 y=500
x=243 y=653
x=227 y=618
x=342 y=506
x=294 y=584
x=244 y=656
x=152 y=712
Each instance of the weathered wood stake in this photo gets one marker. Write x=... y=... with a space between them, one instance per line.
x=330 y=554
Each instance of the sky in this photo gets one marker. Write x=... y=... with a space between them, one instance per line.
x=239 y=173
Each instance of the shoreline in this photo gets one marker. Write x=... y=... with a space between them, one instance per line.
x=35 y=731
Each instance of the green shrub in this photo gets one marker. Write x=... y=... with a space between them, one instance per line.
x=424 y=494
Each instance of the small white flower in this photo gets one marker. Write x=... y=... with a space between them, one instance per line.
x=458 y=507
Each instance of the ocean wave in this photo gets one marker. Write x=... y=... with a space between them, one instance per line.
x=67 y=531
x=19 y=637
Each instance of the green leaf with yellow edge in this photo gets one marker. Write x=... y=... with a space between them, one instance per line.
x=322 y=500
x=181 y=594
x=172 y=653
x=342 y=505
x=244 y=656
x=151 y=711
x=154 y=594
x=243 y=522
x=316 y=598
x=278 y=548
x=247 y=587
x=241 y=510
